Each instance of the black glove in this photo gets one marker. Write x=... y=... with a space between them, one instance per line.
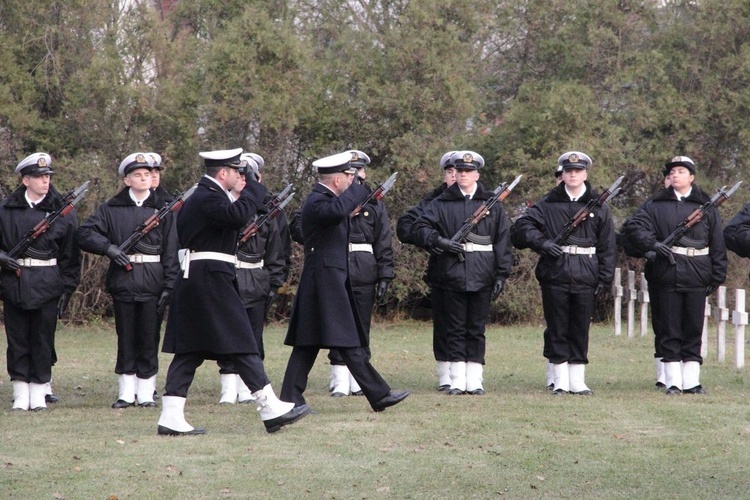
x=118 y=256
x=662 y=249
x=449 y=245
x=650 y=255
x=9 y=263
x=599 y=289
x=551 y=248
x=163 y=301
x=271 y=297
x=62 y=304
x=711 y=288
x=381 y=290
x=435 y=251
x=497 y=289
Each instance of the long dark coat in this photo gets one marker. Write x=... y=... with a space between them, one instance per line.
x=39 y=286
x=206 y=314
x=325 y=314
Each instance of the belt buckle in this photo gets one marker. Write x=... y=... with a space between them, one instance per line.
x=690 y=252
x=25 y=262
x=573 y=249
x=469 y=246
x=138 y=258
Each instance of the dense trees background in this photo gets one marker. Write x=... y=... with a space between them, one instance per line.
x=632 y=83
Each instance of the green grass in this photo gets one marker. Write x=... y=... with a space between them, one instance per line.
x=629 y=441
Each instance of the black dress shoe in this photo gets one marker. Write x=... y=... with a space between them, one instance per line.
x=695 y=390
x=287 y=418
x=337 y=395
x=392 y=398
x=166 y=431
x=122 y=404
x=50 y=399
x=147 y=404
x=660 y=385
x=559 y=392
x=476 y=392
x=358 y=393
x=156 y=396
x=455 y=392
x=444 y=388
x=551 y=387
x=673 y=391
x=41 y=408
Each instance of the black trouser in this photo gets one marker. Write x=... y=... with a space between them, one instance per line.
x=30 y=333
x=653 y=295
x=681 y=324
x=568 y=316
x=182 y=371
x=257 y=316
x=465 y=316
x=439 y=332
x=356 y=359
x=364 y=297
x=136 y=324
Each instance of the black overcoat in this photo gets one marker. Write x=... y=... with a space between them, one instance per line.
x=325 y=313
x=206 y=314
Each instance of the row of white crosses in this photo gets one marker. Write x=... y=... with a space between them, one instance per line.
x=720 y=314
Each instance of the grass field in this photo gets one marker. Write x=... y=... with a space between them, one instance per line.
x=628 y=441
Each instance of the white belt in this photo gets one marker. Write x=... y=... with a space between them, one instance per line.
x=186 y=256
x=360 y=247
x=28 y=262
x=140 y=258
x=690 y=252
x=476 y=247
x=576 y=250
x=249 y=265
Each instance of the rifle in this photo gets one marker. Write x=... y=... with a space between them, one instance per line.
x=153 y=221
x=720 y=197
x=275 y=206
x=583 y=213
x=377 y=194
x=70 y=200
x=499 y=194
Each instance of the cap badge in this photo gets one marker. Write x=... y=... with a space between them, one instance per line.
x=140 y=158
x=42 y=162
x=355 y=156
x=468 y=158
x=573 y=158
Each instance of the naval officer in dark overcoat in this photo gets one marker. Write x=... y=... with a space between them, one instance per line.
x=206 y=316
x=325 y=313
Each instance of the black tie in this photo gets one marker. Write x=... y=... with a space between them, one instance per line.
x=467 y=197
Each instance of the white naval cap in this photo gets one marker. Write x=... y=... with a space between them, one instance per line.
x=155 y=160
x=445 y=161
x=558 y=171
x=574 y=159
x=467 y=160
x=258 y=159
x=36 y=164
x=134 y=161
x=222 y=158
x=335 y=163
x=252 y=163
x=680 y=161
x=359 y=158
